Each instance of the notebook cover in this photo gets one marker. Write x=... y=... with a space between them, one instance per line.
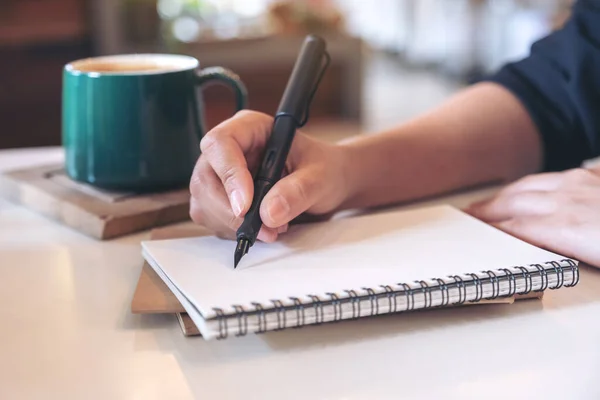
x=152 y=296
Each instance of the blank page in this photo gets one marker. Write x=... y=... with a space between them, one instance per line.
x=338 y=255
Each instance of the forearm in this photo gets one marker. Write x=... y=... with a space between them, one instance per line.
x=481 y=135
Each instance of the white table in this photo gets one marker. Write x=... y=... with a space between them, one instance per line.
x=67 y=333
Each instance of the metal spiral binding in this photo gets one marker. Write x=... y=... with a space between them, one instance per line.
x=222 y=323
x=389 y=292
x=444 y=289
x=299 y=307
x=527 y=278
x=543 y=277
x=409 y=293
x=512 y=283
x=373 y=300
x=462 y=289
x=478 y=288
x=426 y=290
x=279 y=309
x=262 y=317
x=495 y=284
x=318 y=305
x=407 y=290
x=241 y=314
x=335 y=301
x=560 y=273
x=574 y=271
x=355 y=301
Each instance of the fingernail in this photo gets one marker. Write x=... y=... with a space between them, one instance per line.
x=236 y=202
x=266 y=236
x=278 y=209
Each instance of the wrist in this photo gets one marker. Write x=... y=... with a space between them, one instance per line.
x=351 y=170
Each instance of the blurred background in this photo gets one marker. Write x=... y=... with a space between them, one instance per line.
x=391 y=59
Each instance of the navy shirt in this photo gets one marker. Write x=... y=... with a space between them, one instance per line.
x=559 y=85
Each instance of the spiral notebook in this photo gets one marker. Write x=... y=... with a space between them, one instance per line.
x=352 y=268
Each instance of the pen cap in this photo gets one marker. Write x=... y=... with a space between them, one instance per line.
x=303 y=78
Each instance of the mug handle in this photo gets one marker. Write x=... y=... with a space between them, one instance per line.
x=227 y=77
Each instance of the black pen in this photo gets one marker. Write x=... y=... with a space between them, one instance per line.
x=292 y=114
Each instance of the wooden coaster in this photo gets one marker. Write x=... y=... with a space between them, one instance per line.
x=97 y=213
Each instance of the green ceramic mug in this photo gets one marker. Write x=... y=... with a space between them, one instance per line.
x=134 y=122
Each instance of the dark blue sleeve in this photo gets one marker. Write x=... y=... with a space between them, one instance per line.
x=559 y=85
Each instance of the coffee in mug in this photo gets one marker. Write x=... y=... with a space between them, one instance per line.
x=121 y=67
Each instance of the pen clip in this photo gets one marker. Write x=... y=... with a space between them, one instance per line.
x=312 y=94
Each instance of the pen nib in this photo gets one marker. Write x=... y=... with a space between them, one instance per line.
x=240 y=250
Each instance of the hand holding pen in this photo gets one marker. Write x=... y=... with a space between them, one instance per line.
x=291 y=115
x=222 y=185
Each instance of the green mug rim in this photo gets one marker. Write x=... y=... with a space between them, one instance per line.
x=185 y=62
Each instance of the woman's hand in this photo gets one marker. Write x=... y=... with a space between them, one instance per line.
x=222 y=187
x=556 y=211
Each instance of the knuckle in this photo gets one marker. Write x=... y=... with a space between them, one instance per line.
x=210 y=189
x=572 y=220
x=577 y=174
x=196 y=213
x=560 y=201
x=254 y=115
x=527 y=180
x=520 y=184
x=301 y=189
x=229 y=174
x=211 y=140
x=202 y=184
x=196 y=184
x=511 y=200
x=246 y=113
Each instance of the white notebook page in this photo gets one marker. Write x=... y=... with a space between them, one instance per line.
x=338 y=255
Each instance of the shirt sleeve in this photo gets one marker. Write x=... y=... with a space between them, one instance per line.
x=559 y=85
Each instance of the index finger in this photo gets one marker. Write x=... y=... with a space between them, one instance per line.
x=225 y=148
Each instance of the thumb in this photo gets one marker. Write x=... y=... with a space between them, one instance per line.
x=290 y=197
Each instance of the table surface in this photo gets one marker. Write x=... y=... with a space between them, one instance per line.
x=67 y=332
